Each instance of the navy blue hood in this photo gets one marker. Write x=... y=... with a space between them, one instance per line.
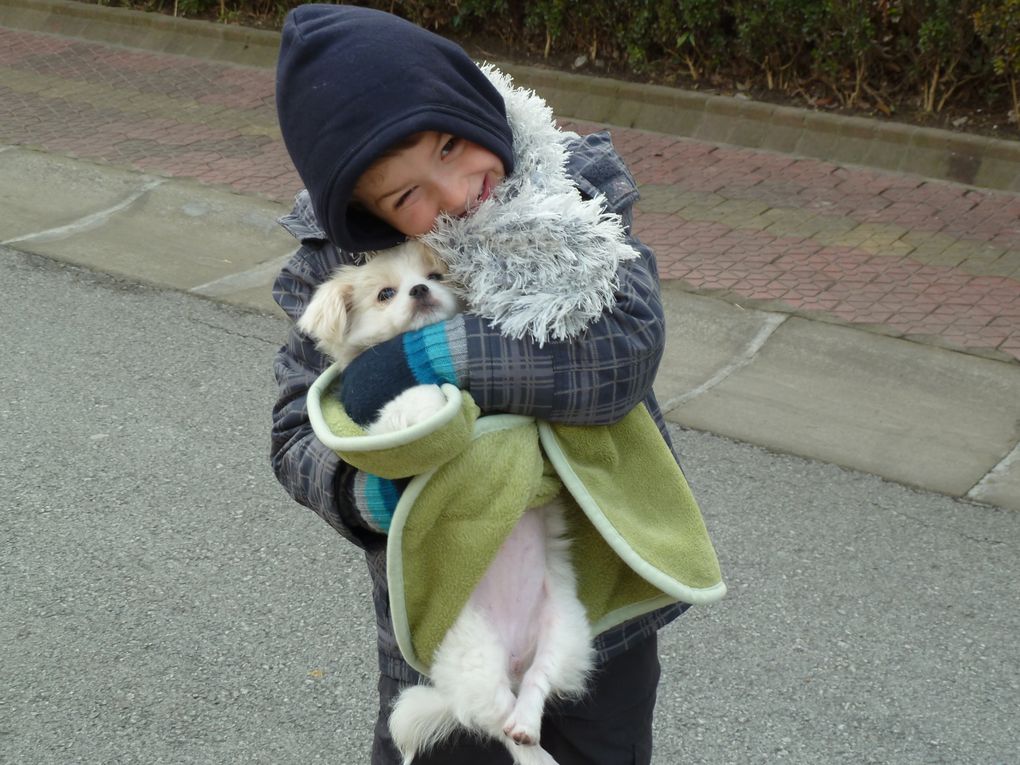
x=350 y=83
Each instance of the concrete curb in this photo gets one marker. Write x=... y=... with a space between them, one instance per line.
x=139 y=29
x=911 y=413
x=973 y=160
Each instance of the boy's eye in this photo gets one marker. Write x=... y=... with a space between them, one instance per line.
x=403 y=198
x=449 y=145
x=436 y=277
x=386 y=293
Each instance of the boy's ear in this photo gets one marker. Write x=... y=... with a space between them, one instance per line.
x=325 y=318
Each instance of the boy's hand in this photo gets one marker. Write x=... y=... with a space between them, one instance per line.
x=384 y=371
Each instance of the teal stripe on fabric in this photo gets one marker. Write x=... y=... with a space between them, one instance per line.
x=438 y=349
x=428 y=355
x=381 y=498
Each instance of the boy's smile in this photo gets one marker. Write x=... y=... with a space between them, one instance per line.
x=434 y=174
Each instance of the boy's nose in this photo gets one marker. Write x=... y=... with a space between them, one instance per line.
x=453 y=195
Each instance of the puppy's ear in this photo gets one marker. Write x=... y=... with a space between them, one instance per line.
x=325 y=318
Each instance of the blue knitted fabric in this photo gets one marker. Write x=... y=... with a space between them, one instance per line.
x=384 y=371
x=378 y=498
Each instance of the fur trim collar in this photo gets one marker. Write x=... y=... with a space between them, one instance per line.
x=535 y=258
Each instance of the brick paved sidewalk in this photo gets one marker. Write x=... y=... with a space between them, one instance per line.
x=927 y=260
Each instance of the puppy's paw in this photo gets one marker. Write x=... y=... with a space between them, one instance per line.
x=521 y=732
x=412 y=406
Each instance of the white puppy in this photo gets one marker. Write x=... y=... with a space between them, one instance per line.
x=396 y=291
x=523 y=637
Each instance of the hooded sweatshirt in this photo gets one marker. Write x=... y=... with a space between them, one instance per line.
x=352 y=82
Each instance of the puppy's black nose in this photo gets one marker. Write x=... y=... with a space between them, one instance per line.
x=419 y=291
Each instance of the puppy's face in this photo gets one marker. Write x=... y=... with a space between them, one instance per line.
x=395 y=291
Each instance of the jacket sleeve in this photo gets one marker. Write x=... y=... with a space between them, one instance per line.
x=310 y=471
x=599 y=377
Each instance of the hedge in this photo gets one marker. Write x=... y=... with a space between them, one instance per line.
x=855 y=53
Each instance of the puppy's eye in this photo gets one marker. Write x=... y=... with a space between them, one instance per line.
x=386 y=293
x=436 y=277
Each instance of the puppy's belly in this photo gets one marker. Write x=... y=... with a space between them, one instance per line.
x=511 y=593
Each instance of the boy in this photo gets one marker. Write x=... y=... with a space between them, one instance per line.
x=391 y=128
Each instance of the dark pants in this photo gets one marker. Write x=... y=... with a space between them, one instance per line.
x=610 y=725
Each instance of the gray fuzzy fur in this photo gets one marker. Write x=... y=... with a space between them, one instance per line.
x=535 y=258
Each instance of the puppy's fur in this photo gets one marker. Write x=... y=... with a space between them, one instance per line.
x=396 y=291
x=523 y=635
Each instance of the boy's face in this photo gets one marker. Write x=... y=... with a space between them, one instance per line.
x=436 y=173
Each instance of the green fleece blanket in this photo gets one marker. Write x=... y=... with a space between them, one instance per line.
x=638 y=538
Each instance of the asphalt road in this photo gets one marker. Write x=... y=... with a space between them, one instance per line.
x=163 y=600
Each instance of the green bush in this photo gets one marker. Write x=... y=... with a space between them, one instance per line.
x=998 y=25
x=846 y=49
x=929 y=54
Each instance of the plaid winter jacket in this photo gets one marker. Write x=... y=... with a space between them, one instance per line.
x=593 y=380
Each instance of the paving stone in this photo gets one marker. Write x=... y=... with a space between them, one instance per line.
x=716 y=215
x=814 y=367
x=172 y=235
x=38 y=186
